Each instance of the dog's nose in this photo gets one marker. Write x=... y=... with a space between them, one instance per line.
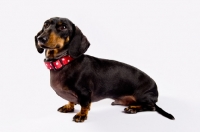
x=42 y=40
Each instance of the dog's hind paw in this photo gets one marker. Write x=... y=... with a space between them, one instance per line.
x=130 y=111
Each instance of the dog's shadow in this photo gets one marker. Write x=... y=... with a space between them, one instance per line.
x=104 y=112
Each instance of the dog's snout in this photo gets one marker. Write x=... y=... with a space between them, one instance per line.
x=42 y=40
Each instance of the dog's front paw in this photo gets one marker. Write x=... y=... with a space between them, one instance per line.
x=80 y=117
x=67 y=108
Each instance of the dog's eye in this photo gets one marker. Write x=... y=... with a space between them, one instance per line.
x=46 y=25
x=62 y=27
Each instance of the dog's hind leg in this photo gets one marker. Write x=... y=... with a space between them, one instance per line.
x=124 y=100
x=132 y=109
x=117 y=102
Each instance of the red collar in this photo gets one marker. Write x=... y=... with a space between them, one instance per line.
x=57 y=64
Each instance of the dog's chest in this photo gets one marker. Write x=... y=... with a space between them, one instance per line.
x=56 y=82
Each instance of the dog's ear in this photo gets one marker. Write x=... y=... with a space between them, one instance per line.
x=79 y=44
x=39 y=49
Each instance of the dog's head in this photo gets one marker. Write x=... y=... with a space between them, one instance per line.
x=59 y=37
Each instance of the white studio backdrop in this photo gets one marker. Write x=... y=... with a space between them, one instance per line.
x=160 y=37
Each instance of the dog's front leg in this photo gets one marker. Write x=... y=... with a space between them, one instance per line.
x=67 y=108
x=82 y=115
x=85 y=102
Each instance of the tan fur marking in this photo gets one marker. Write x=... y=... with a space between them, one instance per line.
x=84 y=110
x=124 y=100
x=67 y=39
x=59 y=23
x=82 y=115
x=55 y=41
x=67 y=108
x=70 y=105
x=51 y=53
x=135 y=107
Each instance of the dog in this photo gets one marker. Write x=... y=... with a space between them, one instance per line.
x=83 y=79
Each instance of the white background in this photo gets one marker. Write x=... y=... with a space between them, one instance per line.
x=160 y=37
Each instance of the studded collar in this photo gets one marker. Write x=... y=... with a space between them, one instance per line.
x=59 y=63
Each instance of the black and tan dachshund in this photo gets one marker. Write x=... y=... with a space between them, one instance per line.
x=82 y=79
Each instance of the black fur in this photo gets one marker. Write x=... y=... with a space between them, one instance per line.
x=88 y=79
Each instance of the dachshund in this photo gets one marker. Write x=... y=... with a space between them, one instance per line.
x=83 y=79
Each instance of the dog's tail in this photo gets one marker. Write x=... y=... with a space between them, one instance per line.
x=164 y=113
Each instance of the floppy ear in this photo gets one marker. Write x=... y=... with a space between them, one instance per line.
x=79 y=44
x=39 y=49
